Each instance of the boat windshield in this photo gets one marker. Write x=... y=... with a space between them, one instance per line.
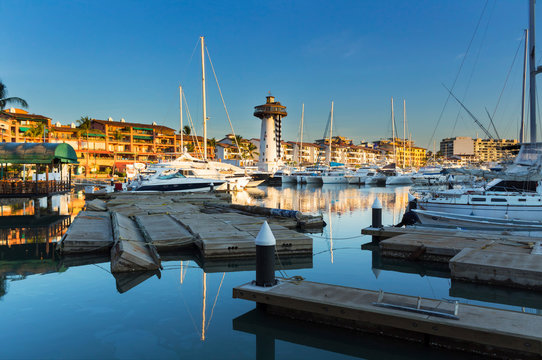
x=175 y=175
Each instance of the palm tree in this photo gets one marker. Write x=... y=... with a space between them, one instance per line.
x=84 y=124
x=249 y=150
x=35 y=132
x=186 y=130
x=4 y=100
x=211 y=142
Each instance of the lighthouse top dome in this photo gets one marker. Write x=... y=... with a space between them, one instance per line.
x=270 y=108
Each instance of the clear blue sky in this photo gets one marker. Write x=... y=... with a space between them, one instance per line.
x=126 y=59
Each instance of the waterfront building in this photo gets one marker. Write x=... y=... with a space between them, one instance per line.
x=477 y=150
x=402 y=152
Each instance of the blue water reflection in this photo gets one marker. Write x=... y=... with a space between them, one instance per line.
x=74 y=308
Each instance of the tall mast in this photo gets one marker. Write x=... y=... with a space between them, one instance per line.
x=301 y=146
x=181 y=112
x=393 y=132
x=203 y=98
x=404 y=132
x=532 y=71
x=523 y=98
x=331 y=134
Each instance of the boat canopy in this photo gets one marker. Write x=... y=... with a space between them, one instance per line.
x=37 y=153
x=530 y=154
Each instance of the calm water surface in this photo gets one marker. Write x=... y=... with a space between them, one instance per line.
x=74 y=308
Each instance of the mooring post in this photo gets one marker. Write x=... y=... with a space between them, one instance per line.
x=377 y=217
x=265 y=257
x=377 y=214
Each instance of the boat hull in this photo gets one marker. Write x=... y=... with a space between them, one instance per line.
x=434 y=218
x=519 y=212
x=334 y=180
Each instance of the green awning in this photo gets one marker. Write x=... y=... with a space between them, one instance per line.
x=96 y=135
x=148 y=129
x=145 y=137
x=23 y=129
x=36 y=153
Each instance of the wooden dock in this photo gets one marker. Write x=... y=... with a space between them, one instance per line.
x=171 y=222
x=475 y=329
x=476 y=256
x=90 y=231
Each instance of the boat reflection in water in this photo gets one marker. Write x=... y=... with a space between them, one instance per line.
x=335 y=198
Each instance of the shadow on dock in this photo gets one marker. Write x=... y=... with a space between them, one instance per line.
x=459 y=289
x=269 y=328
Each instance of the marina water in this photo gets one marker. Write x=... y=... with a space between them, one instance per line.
x=52 y=309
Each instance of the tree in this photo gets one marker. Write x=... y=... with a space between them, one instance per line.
x=84 y=125
x=186 y=130
x=249 y=150
x=211 y=142
x=35 y=132
x=4 y=100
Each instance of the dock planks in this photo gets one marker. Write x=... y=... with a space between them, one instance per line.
x=478 y=329
x=131 y=252
x=89 y=232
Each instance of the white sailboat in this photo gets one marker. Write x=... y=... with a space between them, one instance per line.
x=517 y=194
x=224 y=176
x=333 y=175
x=399 y=177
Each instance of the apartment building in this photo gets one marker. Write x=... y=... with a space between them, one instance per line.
x=478 y=150
x=402 y=152
x=106 y=146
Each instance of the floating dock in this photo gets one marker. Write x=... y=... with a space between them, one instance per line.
x=137 y=223
x=476 y=256
x=476 y=329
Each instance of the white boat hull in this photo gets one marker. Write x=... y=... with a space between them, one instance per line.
x=289 y=179
x=313 y=179
x=334 y=179
x=519 y=212
x=398 y=180
x=434 y=218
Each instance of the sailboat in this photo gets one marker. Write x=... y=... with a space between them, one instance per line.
x=399 y=177
x=517 y=193
x=225 y=176
x=336 y=173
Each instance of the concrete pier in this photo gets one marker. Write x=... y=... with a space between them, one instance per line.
x=475 y=256
x=477 y=329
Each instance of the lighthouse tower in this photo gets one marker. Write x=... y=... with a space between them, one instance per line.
x=271 y=114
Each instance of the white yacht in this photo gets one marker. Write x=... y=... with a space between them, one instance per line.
x=174 y=180
x=335 y=177
x=517 y=194
x=398 y=177
x=429 y=175
x=232 y=177
x=360 y=175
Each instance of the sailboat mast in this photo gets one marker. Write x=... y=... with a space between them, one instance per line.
x=181 y=112
x=203 y=98
x=532 y=70
x=331 y=134
x=393 y=132
x=404 y=132
x=525 y=56
x=301 y=146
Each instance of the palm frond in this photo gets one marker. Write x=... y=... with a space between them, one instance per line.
x=13 y=100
